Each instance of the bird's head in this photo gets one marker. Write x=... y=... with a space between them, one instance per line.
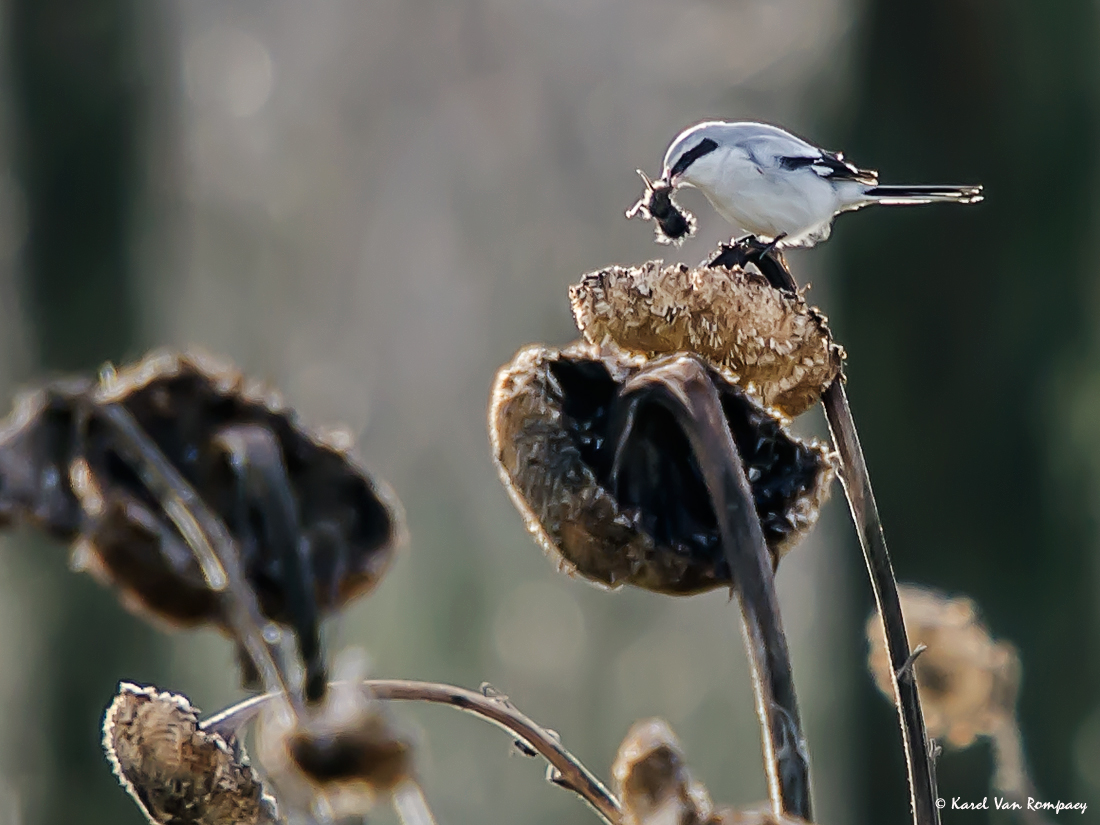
x=695 y=155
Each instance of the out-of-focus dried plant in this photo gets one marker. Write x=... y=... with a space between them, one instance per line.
x=310 y=528
x=339 y=757
x=768 y=341
x=656 y=787
x=637 y=512
x=653 y=781
x=178 y=773
x=968 y=681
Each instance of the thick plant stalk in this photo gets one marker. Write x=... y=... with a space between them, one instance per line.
x=210 y=541
x=568 y=771
x=683 y=386
x=861 y=501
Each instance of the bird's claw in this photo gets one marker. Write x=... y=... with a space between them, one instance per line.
x=751 y=249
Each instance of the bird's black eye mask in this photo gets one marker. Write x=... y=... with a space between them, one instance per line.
x=703 y=147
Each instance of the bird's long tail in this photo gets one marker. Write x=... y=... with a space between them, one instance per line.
x=901 y=195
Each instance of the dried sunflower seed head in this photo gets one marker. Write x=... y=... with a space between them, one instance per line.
x=650 y=524
x=62 y=467
x=767 y=340
x=176 y=772
x=968 y=682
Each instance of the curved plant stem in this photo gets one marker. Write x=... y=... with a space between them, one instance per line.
x=568 y=771
x=682 y=385
x=861 y=501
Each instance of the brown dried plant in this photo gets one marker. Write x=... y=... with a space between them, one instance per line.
x=655 y=455
x=969 y=682
x=174 y=474
x=178 y=773
x=656 y=787
x=770 y=342
x=634 y=511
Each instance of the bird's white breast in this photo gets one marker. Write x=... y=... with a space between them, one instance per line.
x=767 y=201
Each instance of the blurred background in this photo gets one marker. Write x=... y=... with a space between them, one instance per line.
x=373 y=204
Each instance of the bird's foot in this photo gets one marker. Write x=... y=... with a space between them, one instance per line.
x=764 y=254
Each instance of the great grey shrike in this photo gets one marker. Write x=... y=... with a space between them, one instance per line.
x=770 y=183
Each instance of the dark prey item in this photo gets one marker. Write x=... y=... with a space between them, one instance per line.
x=673 y=223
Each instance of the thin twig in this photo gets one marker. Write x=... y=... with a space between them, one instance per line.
x=684 y=387
x=570 y=772
x=209 y=540
x=861 y=501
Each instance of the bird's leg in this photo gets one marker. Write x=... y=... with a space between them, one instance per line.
x=764 y=254
x=735 y=254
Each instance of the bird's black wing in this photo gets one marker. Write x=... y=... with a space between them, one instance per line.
x=831 y=165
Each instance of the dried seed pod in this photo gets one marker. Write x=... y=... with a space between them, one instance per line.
x=197 y=412
x=767 y=340
x=346 y=750
x=650 y=523
x=652 y=779
x=175 y=771
x=672 y=223
x=968 y=682
x=656 y=788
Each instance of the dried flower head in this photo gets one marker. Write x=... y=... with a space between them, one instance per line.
x=767 y=340
x=175 y=771
x=968 y=682
x=672 y=223
x=345 y=752
x=637 y=512
x=656 y=788
x=652 y=779
x=221 y=432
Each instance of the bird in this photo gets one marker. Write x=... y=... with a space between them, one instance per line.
x=771 y=183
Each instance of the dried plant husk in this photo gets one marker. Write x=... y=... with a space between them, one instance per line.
x=652 y=779
x=177 y=772
x=346 y=752
x=968 y=682
x=37 y=442
x=551 y=424
x=767 y=340
x=349 y=524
